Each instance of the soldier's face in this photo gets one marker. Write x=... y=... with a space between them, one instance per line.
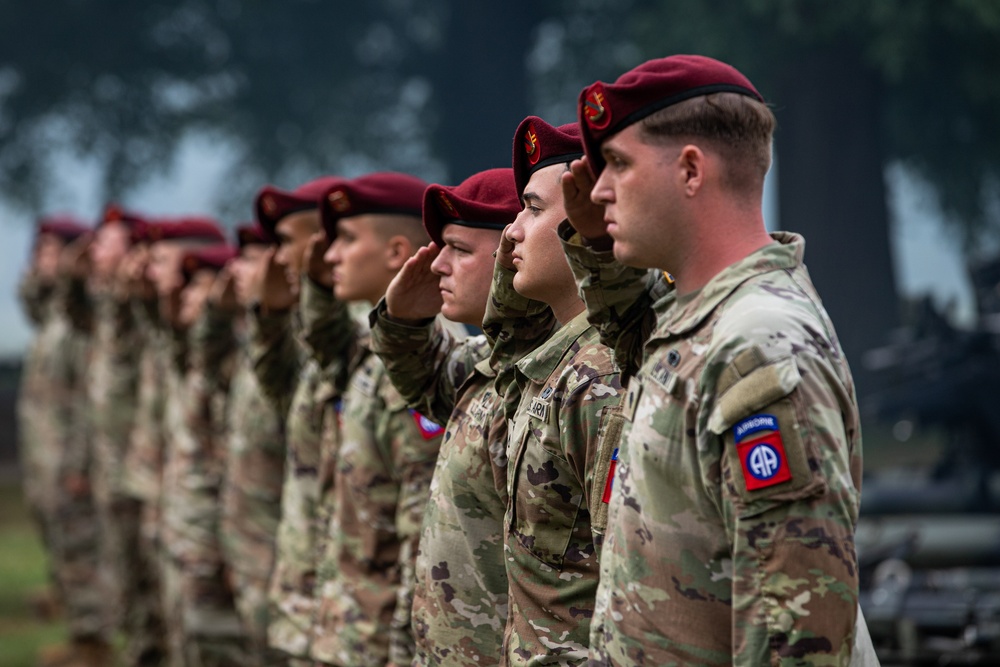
x=165 y=267
x=293 y=233
x=542 y=271
x=465 y=265
x=111 y=242
x=245 y=270
x=641 y=189
x=194 y=296
x=361 y=258
x=47 y=250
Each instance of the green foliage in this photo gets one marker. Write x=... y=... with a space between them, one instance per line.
x=936 y=61
x=22 y=571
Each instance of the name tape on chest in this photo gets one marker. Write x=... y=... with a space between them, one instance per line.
x=763 y=458
x=428 y=429
x=539 y=409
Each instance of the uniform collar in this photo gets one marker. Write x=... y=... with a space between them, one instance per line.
x=539 y=364
x=691 y=310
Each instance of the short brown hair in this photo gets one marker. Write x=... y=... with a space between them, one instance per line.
x=737 y=127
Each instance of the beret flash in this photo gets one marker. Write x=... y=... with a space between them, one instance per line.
x=273 y=204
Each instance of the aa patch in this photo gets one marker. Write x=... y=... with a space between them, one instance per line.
x=428 y=429
x=606 y=498
x=764 y=461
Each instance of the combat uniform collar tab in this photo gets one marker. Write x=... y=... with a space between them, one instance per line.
x=539 y=364
x=687 y=314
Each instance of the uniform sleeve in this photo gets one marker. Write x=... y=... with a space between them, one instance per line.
x=786 y=447
x=414 y=444
x=426 y=364
x=584 y=418
x=328 y=329
x=275 y=355
x=619 y=299
x=33 y=295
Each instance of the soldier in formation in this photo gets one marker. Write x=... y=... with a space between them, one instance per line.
x=289 y=451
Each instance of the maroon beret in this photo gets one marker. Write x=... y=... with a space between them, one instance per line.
x=191 y=228
x=273 y=204
x=381 y=192
x=486 y=200
x=537 y=144
x=64 y=226
x=213 y=258
x=115 y=213
x=605 y=109
x=252 y=234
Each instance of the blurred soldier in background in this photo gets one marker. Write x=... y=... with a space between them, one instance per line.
x=381 y=454
x=113 y=390
x=254 y=467
x=459 y=607
x=62 y=429
x=290 y=348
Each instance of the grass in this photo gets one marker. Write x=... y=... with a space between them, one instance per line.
x=22 y=572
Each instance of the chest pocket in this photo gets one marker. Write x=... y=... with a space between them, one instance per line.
x=546 y=498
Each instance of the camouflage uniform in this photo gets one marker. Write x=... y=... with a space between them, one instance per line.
x=733 y=512
x=302 y=360
x=566 y=391
x=251 y=501
x=204 y=614
x=460 y=591
x=63 y=430
x=113 y=391
x=382 y=472
x=141 y=481
x=35 y=454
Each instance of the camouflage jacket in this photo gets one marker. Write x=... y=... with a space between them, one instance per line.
x=300 y=361
x=459 y=603
x=57 y=438
x=732 y=517
x=383 y=470
x=193 y=470
x=557 y=398
x=113 y=390
x=34 y=460
x=144 y=453
x=253 y=473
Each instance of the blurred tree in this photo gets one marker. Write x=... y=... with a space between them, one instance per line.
x=856 y=87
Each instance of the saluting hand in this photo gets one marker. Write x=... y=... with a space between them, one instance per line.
x=586 y=217
x=504 y=253
x=75 y=257
x=414 y=294
x=223 y=292
x=319 y=270
x=274 y=290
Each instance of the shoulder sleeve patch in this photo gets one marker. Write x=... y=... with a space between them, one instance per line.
x=428 y=429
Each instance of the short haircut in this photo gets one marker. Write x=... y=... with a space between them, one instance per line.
x=737 y=127
x=394 y=224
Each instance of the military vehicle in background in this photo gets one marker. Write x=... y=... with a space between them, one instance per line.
x=929 y=535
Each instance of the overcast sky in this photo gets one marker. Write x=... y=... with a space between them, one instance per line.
x=927 y=259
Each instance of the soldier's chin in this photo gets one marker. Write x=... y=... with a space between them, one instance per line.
x=454 y=311
x=628 y=255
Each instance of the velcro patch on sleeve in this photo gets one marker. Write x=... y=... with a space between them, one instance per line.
x=428 y=429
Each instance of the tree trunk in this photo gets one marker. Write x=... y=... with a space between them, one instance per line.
x=481 y=83
x=832 y=191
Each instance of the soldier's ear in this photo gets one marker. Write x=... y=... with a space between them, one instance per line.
x=398 y=249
